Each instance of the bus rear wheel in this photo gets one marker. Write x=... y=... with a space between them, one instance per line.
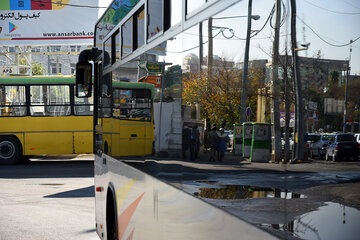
x=10 y=150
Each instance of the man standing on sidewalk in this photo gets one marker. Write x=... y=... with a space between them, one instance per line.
x=213 y=141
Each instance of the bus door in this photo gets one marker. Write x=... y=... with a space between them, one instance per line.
x=129 y=122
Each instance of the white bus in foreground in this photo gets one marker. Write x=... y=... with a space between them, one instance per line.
x=133 y=39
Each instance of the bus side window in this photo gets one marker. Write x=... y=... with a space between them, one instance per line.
x=13 y=101
x=50 y=100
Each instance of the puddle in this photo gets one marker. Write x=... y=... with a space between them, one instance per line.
x=333 y=221
x=244 y=192
x=51 y=184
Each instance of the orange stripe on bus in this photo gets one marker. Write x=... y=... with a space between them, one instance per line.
x=126 y=215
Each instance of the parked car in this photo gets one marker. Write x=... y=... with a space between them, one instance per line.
x=343 y=145
x=310 y=138
x=319 y=145
x=231 y=137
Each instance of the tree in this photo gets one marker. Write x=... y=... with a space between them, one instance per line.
x=37 y=68
x=219 y=94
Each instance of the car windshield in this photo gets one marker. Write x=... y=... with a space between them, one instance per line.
x=327 y=137
x=346 y=138
x=313 y=137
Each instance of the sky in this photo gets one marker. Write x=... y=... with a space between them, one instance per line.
x=329 y=23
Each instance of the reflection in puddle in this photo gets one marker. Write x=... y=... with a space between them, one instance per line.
x=244 y=192
x=333 y=221
x=51 y=184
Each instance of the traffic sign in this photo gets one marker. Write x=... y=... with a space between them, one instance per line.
x=151 y=67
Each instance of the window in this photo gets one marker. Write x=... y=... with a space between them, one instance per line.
x=155 y=24
x=140 y=28
x=132 y=104
x=13 y=101
x=126 y=34
x=116 y=40
x=107 y=53
x=50 y=100
x=53 y=68
x=72 y=48
x=176 y=11
x=83 y=106
x=36 y=49
x=73 y=68
x=55 y=48
x=194 y=5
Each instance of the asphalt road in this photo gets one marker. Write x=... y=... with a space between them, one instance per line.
x=48 y=200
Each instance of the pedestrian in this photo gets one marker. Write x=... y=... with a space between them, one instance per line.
x=223 y=140
x=194 y=143
x=206 y=140
x=185 y=141
x=212 y=140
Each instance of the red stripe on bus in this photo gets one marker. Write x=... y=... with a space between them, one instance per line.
x=52 y=38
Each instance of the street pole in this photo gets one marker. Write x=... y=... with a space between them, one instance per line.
x=246 y=63
x=287 y=110
x=275 y=106
x=201 y=47
x=346 y=88
x=345 y=101
x=299 y=104
x=210 y=47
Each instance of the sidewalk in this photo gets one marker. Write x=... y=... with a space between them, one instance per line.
x=204 y=155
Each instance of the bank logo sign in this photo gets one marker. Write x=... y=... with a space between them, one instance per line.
x=12 y=27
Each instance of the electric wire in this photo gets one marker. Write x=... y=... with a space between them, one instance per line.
x=348 y=13
x=331 y=44
x=189 y=49
x=267 y=20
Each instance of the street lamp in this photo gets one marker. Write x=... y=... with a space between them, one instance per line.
x=246 y=63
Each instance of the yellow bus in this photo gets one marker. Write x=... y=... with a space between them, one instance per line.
x=124 y=124
x=42 y=115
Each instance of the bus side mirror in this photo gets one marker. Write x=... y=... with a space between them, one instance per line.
x=83 y=79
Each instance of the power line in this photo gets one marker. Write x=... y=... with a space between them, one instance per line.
x=351 y=4
x=331 y=44
x=267 y=20
x=331 y=10
x=189 y=49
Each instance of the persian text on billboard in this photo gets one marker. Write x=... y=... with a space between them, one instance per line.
x=33 y=22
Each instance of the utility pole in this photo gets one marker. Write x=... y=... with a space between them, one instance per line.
x=287 y=109
x=201 y=48
x=299 y=137
x=210 y=46
x=346 y=89
x=275 y=106
x=246 y=63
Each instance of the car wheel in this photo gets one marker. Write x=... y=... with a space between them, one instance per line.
x=10 y=150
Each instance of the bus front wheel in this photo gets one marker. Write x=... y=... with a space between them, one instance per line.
x=111 y=215
x=10 y=150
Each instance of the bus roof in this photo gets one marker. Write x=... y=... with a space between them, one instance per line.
x=131 y=85
x=69 y=80
x=38 y=80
